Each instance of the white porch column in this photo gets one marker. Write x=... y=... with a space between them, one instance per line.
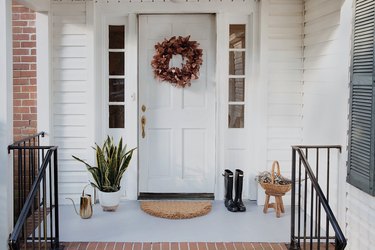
x=6 y=124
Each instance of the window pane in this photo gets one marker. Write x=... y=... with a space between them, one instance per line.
x=236 y=89
x=236 y=63
x=236 y=116
x=237 y=36
x=116 y=116
x=116 y=63
x=116 y=90
x=116 y=37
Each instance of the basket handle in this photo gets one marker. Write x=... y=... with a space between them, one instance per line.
x=277 y=165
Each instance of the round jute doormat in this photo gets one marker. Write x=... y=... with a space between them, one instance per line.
x=176 y=209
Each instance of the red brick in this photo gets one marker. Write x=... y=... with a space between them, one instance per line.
x=17 y=37
x=33 y=110
x=29 y=30
x=16 y=117
x=109 y=246
x=28 y=73
x=28 y=58
x=193 y=246
x=184 y=246
x=21 y=52
x=16 y=131
x=32 y=66
x=21 y=95
x=16 y=58
x=28 y=103
x=19 y=23
x=28 y=131
x=18 y=124
x=92 y=246
x=211 y=246
x=31 y=23
x=21 y=66
x=16 y=103
x=119 y=245
x=229 y=246
x=156 y=246
x=128 y=246
x=174 y=246
x=29 y=88
x=257 y=246
x=220 y=246
x=202 y=246
x=28 y=44
x=165 y=246
x=27 y=117
x=18 y=9
x=17 y=30
x=137 y=246
x=33 y=96
x=21 y=110
x=22 y=81
x=83 y=245
x=32 y=81
x=33 y=52
x=16 y=88
x=146 y=246
x=238 y=246
x=28 y=16
x=248 y=246
x=266 y=246
x=16 y=16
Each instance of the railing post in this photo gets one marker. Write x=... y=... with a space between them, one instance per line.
x=56 y=198
x=293 y=244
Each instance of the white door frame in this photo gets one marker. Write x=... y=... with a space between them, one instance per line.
x=225 y=12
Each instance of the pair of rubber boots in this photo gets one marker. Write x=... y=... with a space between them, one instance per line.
x=235 y=205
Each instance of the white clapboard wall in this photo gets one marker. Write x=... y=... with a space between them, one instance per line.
x=285 y=75
x=71 y=124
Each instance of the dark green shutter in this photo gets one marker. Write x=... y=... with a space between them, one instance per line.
x=361 y=167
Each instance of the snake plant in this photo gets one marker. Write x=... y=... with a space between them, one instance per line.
x=111 y=163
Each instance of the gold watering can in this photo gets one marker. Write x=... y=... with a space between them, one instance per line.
x=85 y=206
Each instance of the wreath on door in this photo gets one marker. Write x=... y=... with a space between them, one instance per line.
x=191 y=61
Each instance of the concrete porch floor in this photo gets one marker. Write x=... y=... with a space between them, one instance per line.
x=130 y=224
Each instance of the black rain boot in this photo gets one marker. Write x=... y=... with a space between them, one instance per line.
x=228 y=186
x=239 y=184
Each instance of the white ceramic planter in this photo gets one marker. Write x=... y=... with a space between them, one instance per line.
x=109 y=200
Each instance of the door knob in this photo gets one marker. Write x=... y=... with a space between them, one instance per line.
x=143 y=124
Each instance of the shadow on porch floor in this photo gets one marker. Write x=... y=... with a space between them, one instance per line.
x=130 y=224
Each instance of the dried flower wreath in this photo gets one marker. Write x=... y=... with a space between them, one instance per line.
x=191 y=56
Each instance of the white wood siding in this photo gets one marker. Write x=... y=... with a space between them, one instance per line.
x=71 y=126
x=285 y=74
x=325 y=89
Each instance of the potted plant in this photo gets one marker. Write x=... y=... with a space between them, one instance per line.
x=111 y=163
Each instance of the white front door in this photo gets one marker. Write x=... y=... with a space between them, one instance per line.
x=177 y=153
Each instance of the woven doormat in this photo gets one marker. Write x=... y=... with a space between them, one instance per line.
x=176 y=209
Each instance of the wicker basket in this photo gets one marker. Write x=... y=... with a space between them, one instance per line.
x=273 y=187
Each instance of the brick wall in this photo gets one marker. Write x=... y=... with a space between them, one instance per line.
x=24 y=72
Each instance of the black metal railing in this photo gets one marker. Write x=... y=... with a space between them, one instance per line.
x=37 y=225
x=25 y=162
x=311 y=226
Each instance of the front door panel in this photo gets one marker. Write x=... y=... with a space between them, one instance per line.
x=177 y=154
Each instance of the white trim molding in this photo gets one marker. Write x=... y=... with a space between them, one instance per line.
x=6 y=124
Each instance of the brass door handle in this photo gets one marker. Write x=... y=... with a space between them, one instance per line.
x=143 y=124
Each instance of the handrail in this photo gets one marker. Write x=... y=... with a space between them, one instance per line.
x=340 y=241
x=39 y=183
x=24 y=140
